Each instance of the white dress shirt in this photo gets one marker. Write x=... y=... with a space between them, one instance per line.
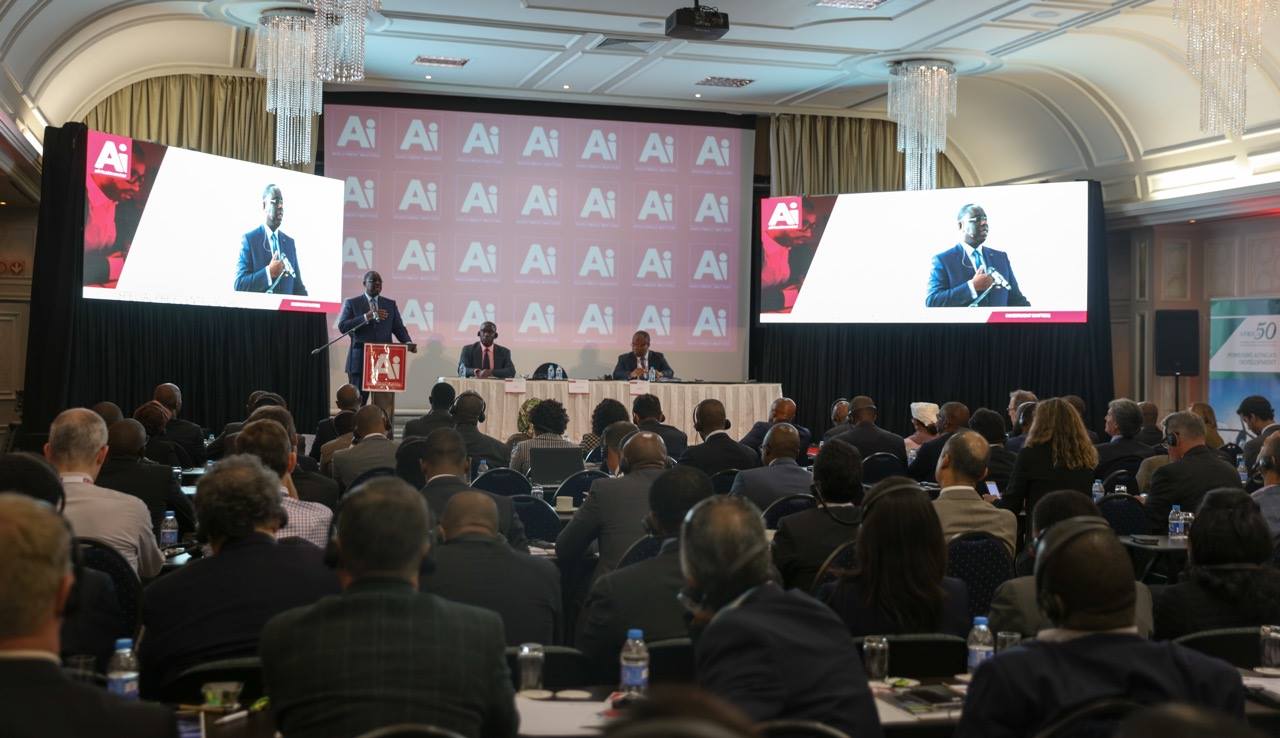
x=119 y=520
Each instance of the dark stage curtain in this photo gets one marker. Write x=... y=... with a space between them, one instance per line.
x=85 y=351
x=975 y=364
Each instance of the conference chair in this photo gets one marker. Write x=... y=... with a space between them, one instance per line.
x=685 y=727
x=782 y=507
x=95 y=554
x=562 y=668
x=1098 y=717
x=1240 y=647
x=540 y=520
x=841 y=560
x=1120 y=477
x=578 y=483
x=722 y=481
x=983 y=562
x=925 y=655
x=645 y=548
x=187 y=687
x=407 y=730
x=595 y=455
x=548 y=370
x=1231 y=452
x=1128 y=463
x=881 y=465
x=798 y=729
x=504 y=481
x=671 y=662
x=1125 y=514
x=374 y=473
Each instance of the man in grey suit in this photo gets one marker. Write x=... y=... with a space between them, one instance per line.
x=372 y=447
x=781 y=475
x=452 y=674
x=615 y=508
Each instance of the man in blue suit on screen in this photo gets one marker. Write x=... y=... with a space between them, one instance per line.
x=970 y=274
x=375 y=319
x=268 y=259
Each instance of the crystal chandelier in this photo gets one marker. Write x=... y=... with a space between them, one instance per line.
x=922 y=95
x=1223 y=38
x=287 y=58
x=339 y=33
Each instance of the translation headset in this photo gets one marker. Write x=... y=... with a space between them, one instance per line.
x=453 y=409
x=333 y=559
x=704 y=597
x=1050 y=542
x=697 y=409
x=822 y=504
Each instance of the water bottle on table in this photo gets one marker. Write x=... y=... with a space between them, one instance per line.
x=635 y=664
x=1098 y=490
x=1177 y=524
x=169 y=530
x=484 y=467
x=122 y=671
x=1242 y=469
x=981 y=644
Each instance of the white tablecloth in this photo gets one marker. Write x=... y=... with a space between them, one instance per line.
x=745 y=402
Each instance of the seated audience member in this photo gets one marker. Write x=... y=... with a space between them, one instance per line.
x=524 y=430
x=77 y=448
x=960 y=507
x=646 y=413
x=549 y=420
x=188 y=435
x=1017 y=399
x=1258 y=416
x=441 y=399
x=127 y=470
x=1230 y=582
x=1183 y=721
x=1023 y=419
x=615 y=436
x=1077 y=402
x=269 y=442
x=344 y=424
x=783 y=410
x=1204 y=411
x=347 y=399
x=1150 y=432
x=108 y=411
x=614 y=508
x=924 y=421
x=371 y=448
x=773 y=653
x=606 y=413
x=955 y=416
x=38 y=700
x=839 y=418
x=311 y=486
x=1268 y=497
x=866 y=436
x=93 y=626
x=1057 y=455
x=805 y=539
x=418 y=659
x=1123 y=421
x=643 y=595
x=468 y=411
x=154 y=417
x=718 y=451
x=1000 y=460
x=780 y=476
x=899 y=584
x=1014 y=607
x=475 y=566
x=225 y=442
x=1084 y=582
x=215 y=607
x=409 y=461
x=445 y=466
x=1147 y=470
x=1192 y=471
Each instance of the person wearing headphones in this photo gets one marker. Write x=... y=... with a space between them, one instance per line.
x=718 y=451
x=1268 y=496
x=484 y=358
x=1193 y=470
x=468 y=412
x=1084 y=585
x=806 y=539
x=773 y=653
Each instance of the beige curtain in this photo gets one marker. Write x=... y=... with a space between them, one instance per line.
x=226 y=116
x=825 y=155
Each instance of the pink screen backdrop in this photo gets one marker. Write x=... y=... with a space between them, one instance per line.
x=568 y=233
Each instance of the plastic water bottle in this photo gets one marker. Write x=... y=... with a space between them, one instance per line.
x=1177 y=523
x=653 y=375
x=635 y=663
x=912 y=453
x=484 y=467
x=1098 y=491
x=122 y=671
x=981 y=645
x=169 y=530
x=1242 y=469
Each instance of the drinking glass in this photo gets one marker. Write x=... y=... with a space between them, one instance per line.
x=875 y=657
x=1270 y=637
x=1007 y=639
x=530 y=658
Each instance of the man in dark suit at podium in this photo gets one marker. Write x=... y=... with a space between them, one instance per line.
x=484 y=358
x=268 y=260
x=375 y=319
x=637 y=363
x=970 y=272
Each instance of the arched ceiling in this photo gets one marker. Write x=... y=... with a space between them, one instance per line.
x=1066 y=89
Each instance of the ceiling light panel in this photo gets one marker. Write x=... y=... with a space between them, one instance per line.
x=724 y=82
x=441 y=61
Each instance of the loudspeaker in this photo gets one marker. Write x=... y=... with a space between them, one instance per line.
x=1177 y=346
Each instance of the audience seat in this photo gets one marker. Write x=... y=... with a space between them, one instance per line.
x=407 y=730
x=186 y=689
x=377 y=471
x=1231 y=452
x=503 y=481
x=562 y=668
x=644 y=548
x=1240 y=647
x=1125 y=514
x=925 y=655
x=1126 y=463
x=671 y=662
x=547 y=370
x=881 y=465
x=984 y=563
x=842 y=559
x=578 y=483
x=594 y=456
x=798 y=729
x=722 y=481
x=781 y=508
x=1120 y=476
x=1096 y=718
x=540 y=520
x=97 y=555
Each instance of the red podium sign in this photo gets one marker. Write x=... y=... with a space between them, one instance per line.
x=385 y=367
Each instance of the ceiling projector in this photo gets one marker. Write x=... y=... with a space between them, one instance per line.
x=697 y=23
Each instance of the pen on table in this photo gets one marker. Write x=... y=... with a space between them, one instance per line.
x=240 y=715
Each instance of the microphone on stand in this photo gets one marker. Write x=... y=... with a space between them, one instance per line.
x=999 y=279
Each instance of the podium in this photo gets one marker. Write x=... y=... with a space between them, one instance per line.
x=384 y=372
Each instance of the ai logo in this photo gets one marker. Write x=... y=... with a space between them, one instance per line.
x=426 y=198
x=421 y=315
x=713 y=151
x=482 y=138
x=420 y=255
x=476 y=315
x=714 y=208
x=660 y=205
x=384 y=367
x=601 y=203
x=540 y=259
x=714 y=322
x=654 y=320
x=481 y=258
x=601 y=145
x=597 y=319
x=785 y=215
x=113 y=159
x=426 y=138
x=597 y=262
x=484 y=198
x=363 y=133
x=539 y=317
x=543 y=142
x=359 y=193
x=714 y=265
x=660 y=148
x=545 y=201
x=357 y=253
x=653 y=263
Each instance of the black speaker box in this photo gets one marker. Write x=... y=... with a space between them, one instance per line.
x=1177 y=348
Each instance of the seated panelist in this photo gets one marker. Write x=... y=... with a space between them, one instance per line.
x=636 y=363
x=484 y=358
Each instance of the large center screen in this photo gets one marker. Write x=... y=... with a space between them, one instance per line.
x=248 y=235
x=1008 y=254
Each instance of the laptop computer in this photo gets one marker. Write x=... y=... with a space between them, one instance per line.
x=553 y=465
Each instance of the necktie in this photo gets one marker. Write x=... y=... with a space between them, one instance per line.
x=487 y=362
x=275 y=245
x=644 y=362
x=977 y=260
